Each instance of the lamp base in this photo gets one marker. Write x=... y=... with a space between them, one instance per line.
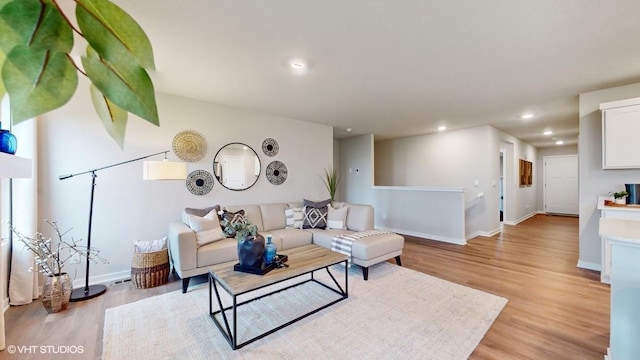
x=86 y=293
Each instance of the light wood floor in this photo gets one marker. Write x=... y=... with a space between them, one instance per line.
x=555 y=310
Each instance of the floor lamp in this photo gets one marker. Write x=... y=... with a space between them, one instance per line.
x=153 y=170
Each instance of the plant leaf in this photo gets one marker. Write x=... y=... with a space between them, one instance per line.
x=113 y=117
x=37 y=24
x=125 y=84
x=96 y=19
x=37 y=81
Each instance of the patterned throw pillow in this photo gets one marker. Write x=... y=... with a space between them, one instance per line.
x=294 y=218
x=232 y=218
x=315 y=214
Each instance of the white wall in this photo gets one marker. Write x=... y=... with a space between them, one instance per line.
x=594 y=181
x=72 y=140
x=539 y=176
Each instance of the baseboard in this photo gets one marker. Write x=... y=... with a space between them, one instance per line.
x=105 y=279
x=485 y=233
x=426 y=236
x=589 y=265
x=521 y=219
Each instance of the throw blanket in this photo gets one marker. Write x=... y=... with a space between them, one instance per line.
x=342 y=243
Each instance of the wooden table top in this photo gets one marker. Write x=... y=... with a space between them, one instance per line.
x=301 y=260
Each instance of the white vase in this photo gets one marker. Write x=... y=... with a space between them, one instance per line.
x=621 y=201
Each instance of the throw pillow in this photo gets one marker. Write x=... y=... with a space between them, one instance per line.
x=337 y=218
x=207 y=228
x=198 y=212
x=148 y=246
x=315 y=217
x=316 y=204
x=294 y=218
x=232 y=218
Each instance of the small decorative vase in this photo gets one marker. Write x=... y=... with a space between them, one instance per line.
x=251 y=251
x=56 y=292
x=269 y=251
x=8 y=142
x=621 y=201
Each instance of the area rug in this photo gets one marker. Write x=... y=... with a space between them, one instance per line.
x=398 y=314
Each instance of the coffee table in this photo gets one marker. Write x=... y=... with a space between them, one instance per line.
x=302 y=261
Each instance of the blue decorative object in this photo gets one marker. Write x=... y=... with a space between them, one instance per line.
x=269 y=251
x=8 y=142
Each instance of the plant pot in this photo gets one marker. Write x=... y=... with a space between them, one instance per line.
x=621 y=201
x=56 y=292
x=251 y=251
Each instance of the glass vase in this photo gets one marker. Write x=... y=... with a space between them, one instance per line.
x=269 y=251
x=8 y=142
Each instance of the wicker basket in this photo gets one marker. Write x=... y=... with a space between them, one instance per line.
x=150 y=269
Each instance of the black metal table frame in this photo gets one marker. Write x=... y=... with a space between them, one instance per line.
x=232 y=338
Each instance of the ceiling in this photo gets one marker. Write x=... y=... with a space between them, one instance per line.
x=398 y=68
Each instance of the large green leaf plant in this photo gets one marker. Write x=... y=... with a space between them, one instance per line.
x=39 y=74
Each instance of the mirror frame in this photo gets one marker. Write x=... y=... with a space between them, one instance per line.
x=216 y=172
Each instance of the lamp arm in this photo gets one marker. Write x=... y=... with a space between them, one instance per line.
x=63 y=177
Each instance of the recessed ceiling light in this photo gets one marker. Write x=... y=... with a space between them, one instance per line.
x=298 y=65
x=559 y=142
x=442 y=128
x=527 y=116
x=348 y=129
x=548 y=132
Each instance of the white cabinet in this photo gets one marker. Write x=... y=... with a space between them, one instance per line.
x=620 y=130
x=613 y=212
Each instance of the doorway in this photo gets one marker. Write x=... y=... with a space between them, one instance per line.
x=561 y=184
x=501 y=192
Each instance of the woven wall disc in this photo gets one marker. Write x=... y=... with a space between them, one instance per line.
x=276 y=172
x=270 y=147
x=199 y=182
x=189 y=146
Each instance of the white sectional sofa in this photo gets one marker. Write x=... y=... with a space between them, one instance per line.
x=189 y=259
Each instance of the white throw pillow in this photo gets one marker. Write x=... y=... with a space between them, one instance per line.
x=148 y=246
x=207 y=228
x=294 y=218
x=337 y=218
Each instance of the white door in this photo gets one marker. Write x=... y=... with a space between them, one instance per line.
x=561 y=184
x=233 y=172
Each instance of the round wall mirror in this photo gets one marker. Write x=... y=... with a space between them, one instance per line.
x=236 y=166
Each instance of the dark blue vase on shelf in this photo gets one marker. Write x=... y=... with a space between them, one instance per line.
x=8 y=142
x=269 y=251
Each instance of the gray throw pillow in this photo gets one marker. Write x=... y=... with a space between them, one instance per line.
x=315 y=214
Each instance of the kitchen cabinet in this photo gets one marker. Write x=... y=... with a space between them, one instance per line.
x=620 y=131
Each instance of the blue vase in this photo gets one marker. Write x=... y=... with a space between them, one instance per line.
x=269 y=251
x=8 y=142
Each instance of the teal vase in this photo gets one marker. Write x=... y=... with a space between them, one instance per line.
x=8 y=142
x=269 y=251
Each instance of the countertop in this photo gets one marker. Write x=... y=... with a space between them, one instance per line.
x=602 y=206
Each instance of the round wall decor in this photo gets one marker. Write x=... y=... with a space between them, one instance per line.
x=276 y=172
x=270 y=147
x=189 y=146
x=199 y=182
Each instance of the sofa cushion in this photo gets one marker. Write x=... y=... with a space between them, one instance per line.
x=294 y=218
x=337 y=218
x=273 y=216
x=217 y=252
x=323 y=237
x=251 y=212
x=360 y=217
x=290 y=238
x=207 y=228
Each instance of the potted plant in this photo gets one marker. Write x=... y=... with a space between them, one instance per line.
x=250 y=243
x=620 y=197
x=331 y=181
x=51 y=256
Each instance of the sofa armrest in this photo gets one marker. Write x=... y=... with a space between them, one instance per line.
x=182 y=246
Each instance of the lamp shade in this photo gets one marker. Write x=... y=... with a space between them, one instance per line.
x=164 y=170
